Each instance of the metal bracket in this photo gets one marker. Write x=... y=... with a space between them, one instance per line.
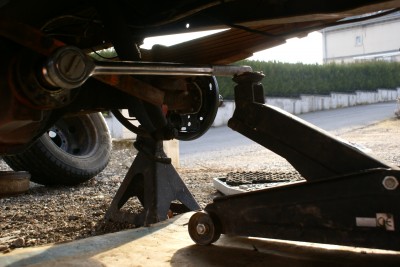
x=155 y=182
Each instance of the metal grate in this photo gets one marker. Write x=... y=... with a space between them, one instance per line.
x=248 y=178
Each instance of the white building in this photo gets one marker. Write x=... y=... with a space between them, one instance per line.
x=375 y=39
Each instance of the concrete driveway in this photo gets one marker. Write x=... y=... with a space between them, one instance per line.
x=337 y=120
x=168 y=244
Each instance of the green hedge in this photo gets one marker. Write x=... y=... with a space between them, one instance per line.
x=291 y=80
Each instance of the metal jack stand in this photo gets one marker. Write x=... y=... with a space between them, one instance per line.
x=155 y=182
x=348 y=198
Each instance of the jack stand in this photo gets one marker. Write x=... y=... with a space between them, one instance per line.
x=348 y=198
x=155 y=182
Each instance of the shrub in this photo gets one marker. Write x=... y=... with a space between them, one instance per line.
x=291 y=80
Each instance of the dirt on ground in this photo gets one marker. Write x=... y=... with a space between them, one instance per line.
x=60 y=214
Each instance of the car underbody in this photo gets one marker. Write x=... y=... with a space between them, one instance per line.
x=30 y=103
x=47 y=74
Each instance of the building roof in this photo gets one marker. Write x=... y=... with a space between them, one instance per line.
x=390 y=17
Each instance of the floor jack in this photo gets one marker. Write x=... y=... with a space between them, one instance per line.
x=347 y=198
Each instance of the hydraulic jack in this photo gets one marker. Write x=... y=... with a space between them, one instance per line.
x=347 y=198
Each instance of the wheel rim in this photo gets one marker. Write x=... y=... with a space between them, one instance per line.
x=72 y=135
x=202 y=229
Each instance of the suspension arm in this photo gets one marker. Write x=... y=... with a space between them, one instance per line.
x=69 y=68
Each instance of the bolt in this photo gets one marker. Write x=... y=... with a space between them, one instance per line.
x=72 y=65
x=67 y=68
x=201 y=229
x=390 y=183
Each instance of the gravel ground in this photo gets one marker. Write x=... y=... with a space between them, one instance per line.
x=60 y=214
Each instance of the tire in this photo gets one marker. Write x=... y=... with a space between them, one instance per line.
x=73 y=151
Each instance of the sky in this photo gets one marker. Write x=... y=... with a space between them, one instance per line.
x=307 y=50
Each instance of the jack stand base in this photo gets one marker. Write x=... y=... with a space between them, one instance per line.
x=155 y=182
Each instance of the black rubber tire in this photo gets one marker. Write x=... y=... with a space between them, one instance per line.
x=79 y=149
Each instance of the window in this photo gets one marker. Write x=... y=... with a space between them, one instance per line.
x=359 y=40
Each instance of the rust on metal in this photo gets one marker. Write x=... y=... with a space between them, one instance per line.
x=175 y=100
x=36 y=41
x=29 y=37
x=187 y=102
x=134 y=87
x=13 y=183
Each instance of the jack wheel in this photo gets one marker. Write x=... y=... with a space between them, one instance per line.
x=203 y=229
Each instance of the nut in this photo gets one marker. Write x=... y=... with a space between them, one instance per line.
x=390 y=183
x=201 y=229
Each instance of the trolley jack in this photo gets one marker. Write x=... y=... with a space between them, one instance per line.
x=347 y=198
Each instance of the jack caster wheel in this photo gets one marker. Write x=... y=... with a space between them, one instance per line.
x=203 y=229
